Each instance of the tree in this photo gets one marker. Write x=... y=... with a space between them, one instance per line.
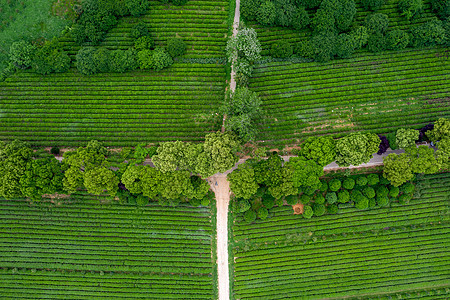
x=285 y=12
x=377 y=42
x=176 y=47
x=243 y=109
x=373 y=179
x=144 y=43
x=145 y=59
x=85 y=61
x=440 y=131
x=51 y=58
x=99 y=180
x=360 y=36
x=132 y=179
x=281 y=49
x=321 y=149
x=428 y=34
x=42 y=176
x=441 y=7
x=174 y=184
x=331 y=198
x=301 y=18
x=406 y=138
x=14 y=157
x=137 y=7
x=334 y=184
x=123 y=60
x=249 y=9
x=244 y=45
x=324 y=46
x=151 y=182
x=372 y=4
x=410 y=8
x=198 y=188
x=425 y=160
x=345 y=14
x=384 y=145
x=344 y=196
x=285 y=186
x=139 y=30
x=397 y=39
x=305 y=172
x=21 y=54
x=397 y=168
x=266 y=14
x=345 y=45
x=102 y=59
x=318 y=209
x=250 y=216
x=377 y=23
x=369 y=192
x=263 y=213
x=356 y=149
x=242 y=182
x=348 y=183
x=170 y=156
x=220 y=148
x=161 y=59
x=307 y=212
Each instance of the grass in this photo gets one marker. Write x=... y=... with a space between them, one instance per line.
x=81 y=249
x=395 y=251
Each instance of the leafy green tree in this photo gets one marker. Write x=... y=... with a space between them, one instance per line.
x=360 y=36
x=331 y=198
x=406 y=138
x=428 y=34
x=268 y=171
x=243 y=109
x=345 y=45
x=356 y=149
x=321 y=149
x=305 y=172
x=198 y=188
x=369 y=192
x=14 y=157
x=267 y=13
x=324 y=46
x=137 y=7
x=263 y=213
x=382 y=201
x=425 y=160
x=174 y=184
x=286 y=186
x=440 y=131
x=151 y=182
x=372 y=4
x=373 y=179
x=307 y=212
x=281 y=49
x=250 y=216
x=348 y=183
x=242 y=182
x=102 y=58
x=301 y=18
x=441 y=7
x=334 y=184
x=376 y=23
x=21 y=54
x=377 y=42
x=98 y=180
x=161 y=59
x=394 y=191
x=123 y=60
x=42 y=176
x=170 y=156
x=397 y=39
x=410 y=8
x=176 y=47
x=249 y=9
x=345 y=14
x=132 y=178
x=318 y=209
x=397 y=168
x=285 y=12
x=144 y=43
x=51 y=58
x=244 y=45
x=362 y=181
x=221 y=150
x=343 y=196
x=139 y=30
x=145 y=59
x=85 y=61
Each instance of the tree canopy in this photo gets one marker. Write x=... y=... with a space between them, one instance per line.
x=356 y=149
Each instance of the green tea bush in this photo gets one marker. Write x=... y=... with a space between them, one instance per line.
x=373 y=179
x=369 y=192
x=141 y=200
x=332 y=209
x=348 y=184
x=250 y=216
x=318 y=209
x=344 y=196
x=307 y=212
x=331 y=198
x=334 y=185
x=263 y=213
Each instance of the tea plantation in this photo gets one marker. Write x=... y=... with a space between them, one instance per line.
x=79 y=248
x=400 y=251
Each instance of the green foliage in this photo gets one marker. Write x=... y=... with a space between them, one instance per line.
x=334 y=185
x=241 y=205
x=318 y=209
x=14 y=157
x=406 y=138
x=267 y=13
x=362 y=181
x=392 y=138
x=50 y=58
x=323 y=186
x=372 y=202
x=305 y=199
x=242 y=182
x=285 y=12
x=243 y=110
x=324 y=46
x=174 y=184
x=139 y=30
x=376 y=23
x=219 y=149
x=331 y=198
x=54 y=151
x=85 y=61
x=382 y=191
x=21 y=54
x=263 y=213
x=360 y=36
x=321 y=149
x=428 y=34
x=372 y=4
x=319 y=199
x=348 y=183
x=42 y=176
x=404 y=199
x=369 y=192
x=410 y=8
x=305 y=172
x=382 y=201
x=397 y=168
x=176 y=47
x=362 y=203
x=345 y=45
x=301 y=18
x=144 y=43
x=440 y=131
x=161 y=59
x=137 y=7
x=356 y=148
x=291 y=199
x=268 y=201
x=425 y=160
x=250 y=216
x=377 y=42
x=172 y=155
x=343 y=196
x=407 y=188
x=307 y=212
x=244 y=45
x=145 y=59
x=98 y=180
x=281 y=49
x=249 y=9
x=123 y=60
x=373 y=179
x=394 y=191
x=332 y=209
x=441 y=7
x=397 y=39
x=141 y=200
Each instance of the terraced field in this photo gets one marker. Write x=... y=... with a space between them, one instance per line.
x=402 y=251
x=118 y=109
x=369 y=92
x=81 y=249
x=268 y=35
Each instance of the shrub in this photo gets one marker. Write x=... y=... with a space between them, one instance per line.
x=397 y=39
x=301 y=18
x=343 y=196
x=324 y=46
x=320 y=149
x=144 y=43
x=410 y=8
x=249 y=9
x=332 y=209
x=304 y=49
x=384 y=145
x=362 y=203
x=137 y=7
x=307 y=212
x=404 y=199
x=376 y=42
x=323 y=186
x=242 y=205
x=281 y=49
x=145 y=59
x=334 y=185
x=406 y=138
x=141 y=200
x=291 y=199
x=85 y=61
x=441 y=7
x=394 y=191
x=372 y=202
x=102 y=60
x=382 y=201
x=345 y=45
x=263 y=213
x=318 y=209
x=319 y=199
x=361 y=180
x=376 y=23
x=373 y=179
x=266 y=14
x=382 y=191
x=369 y=192
x=392 y=140
x=268 y=201
x=176 y=47
x=305 y=199
x=161 y=59
x=54 y=150
x=139 y=30
x=250 y=216
x=372 y=4
x=348 y=183
x=407 y=188
x=123 y=60
x=21 y=54
x=331 y=198
x=429 y=34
